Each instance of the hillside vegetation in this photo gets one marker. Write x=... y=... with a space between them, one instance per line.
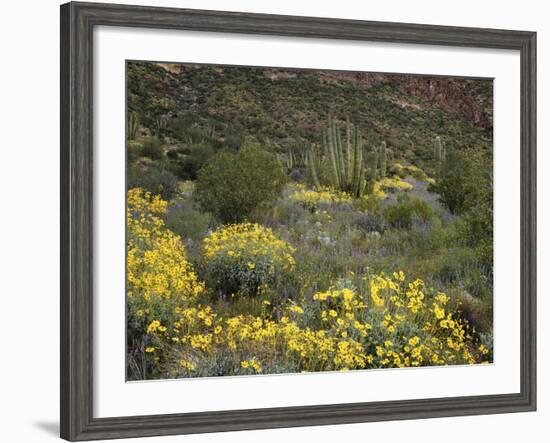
x=291 y=220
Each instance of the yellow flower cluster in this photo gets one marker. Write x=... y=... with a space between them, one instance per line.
x=390 y=322
x=393 y=184
x=410 y=171
x=252 y=363
x=313 y=199
x=159 y=277
x=156 y=262
x=246 y=256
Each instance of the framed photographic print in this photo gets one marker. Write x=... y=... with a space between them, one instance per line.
x=273 y=221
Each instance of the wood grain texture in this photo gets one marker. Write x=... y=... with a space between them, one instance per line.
x=76 y=307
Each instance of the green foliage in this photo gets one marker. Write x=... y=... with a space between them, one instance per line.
x=372 y=173
x=467 y=189
x=232 y=186
x=153 y=178
x=407 y=211
x=439 y=156
x=383 y=159
x=186 y=221
x=152 y=147
x=133 y=151
x=133 y=125
x=190 y=159
x=467 y=178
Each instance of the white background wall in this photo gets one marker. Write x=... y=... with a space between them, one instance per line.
x=29 y=188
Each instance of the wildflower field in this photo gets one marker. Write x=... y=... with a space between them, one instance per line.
x=273 y=226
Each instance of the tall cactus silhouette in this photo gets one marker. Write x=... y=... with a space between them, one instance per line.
x=133 y=125
x=383 y=160
x=372 y=162
x=345 y=160
x=345 y=157
x=159 y=125
x=440 y=155
x=313 y=165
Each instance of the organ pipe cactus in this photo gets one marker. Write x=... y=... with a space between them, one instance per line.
x=372 y=161
x=345 y=159
x=313 y=165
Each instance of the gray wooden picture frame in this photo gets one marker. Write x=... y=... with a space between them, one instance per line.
x=77 y=23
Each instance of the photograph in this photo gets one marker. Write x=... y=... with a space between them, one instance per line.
x=243 y=222
x=289 y=220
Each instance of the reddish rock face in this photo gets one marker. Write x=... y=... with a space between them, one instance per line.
x=450 y=94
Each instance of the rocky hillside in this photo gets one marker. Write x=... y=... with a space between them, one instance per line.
x=285 y=109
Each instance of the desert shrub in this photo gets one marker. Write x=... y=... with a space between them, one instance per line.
x=415 y=172
x=407 y=211
x=193 y=158
x=232 y=186
x=133 y=151
x=245 y=257
x=476 y=230
x=371 y=203
x=393 y=184
x=467 y=179
x=316 y=199
x=454 y=264
x=466 y=188
x=368 y=221
x=159 y=277
x=184 y=220
x=477 y=312
x=172 y=154
x=296 y=175
x=153 y=178
x=287 y=212
x=152 y=147
x=404 y=171
x=397 y=169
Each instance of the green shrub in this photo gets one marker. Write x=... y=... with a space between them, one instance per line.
x=466 y=188
x=153 y=178
x=133 y=151
x=187 y=222
x=190 y=159
x=407 y=211
x=153 y=148
x=232 y=186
